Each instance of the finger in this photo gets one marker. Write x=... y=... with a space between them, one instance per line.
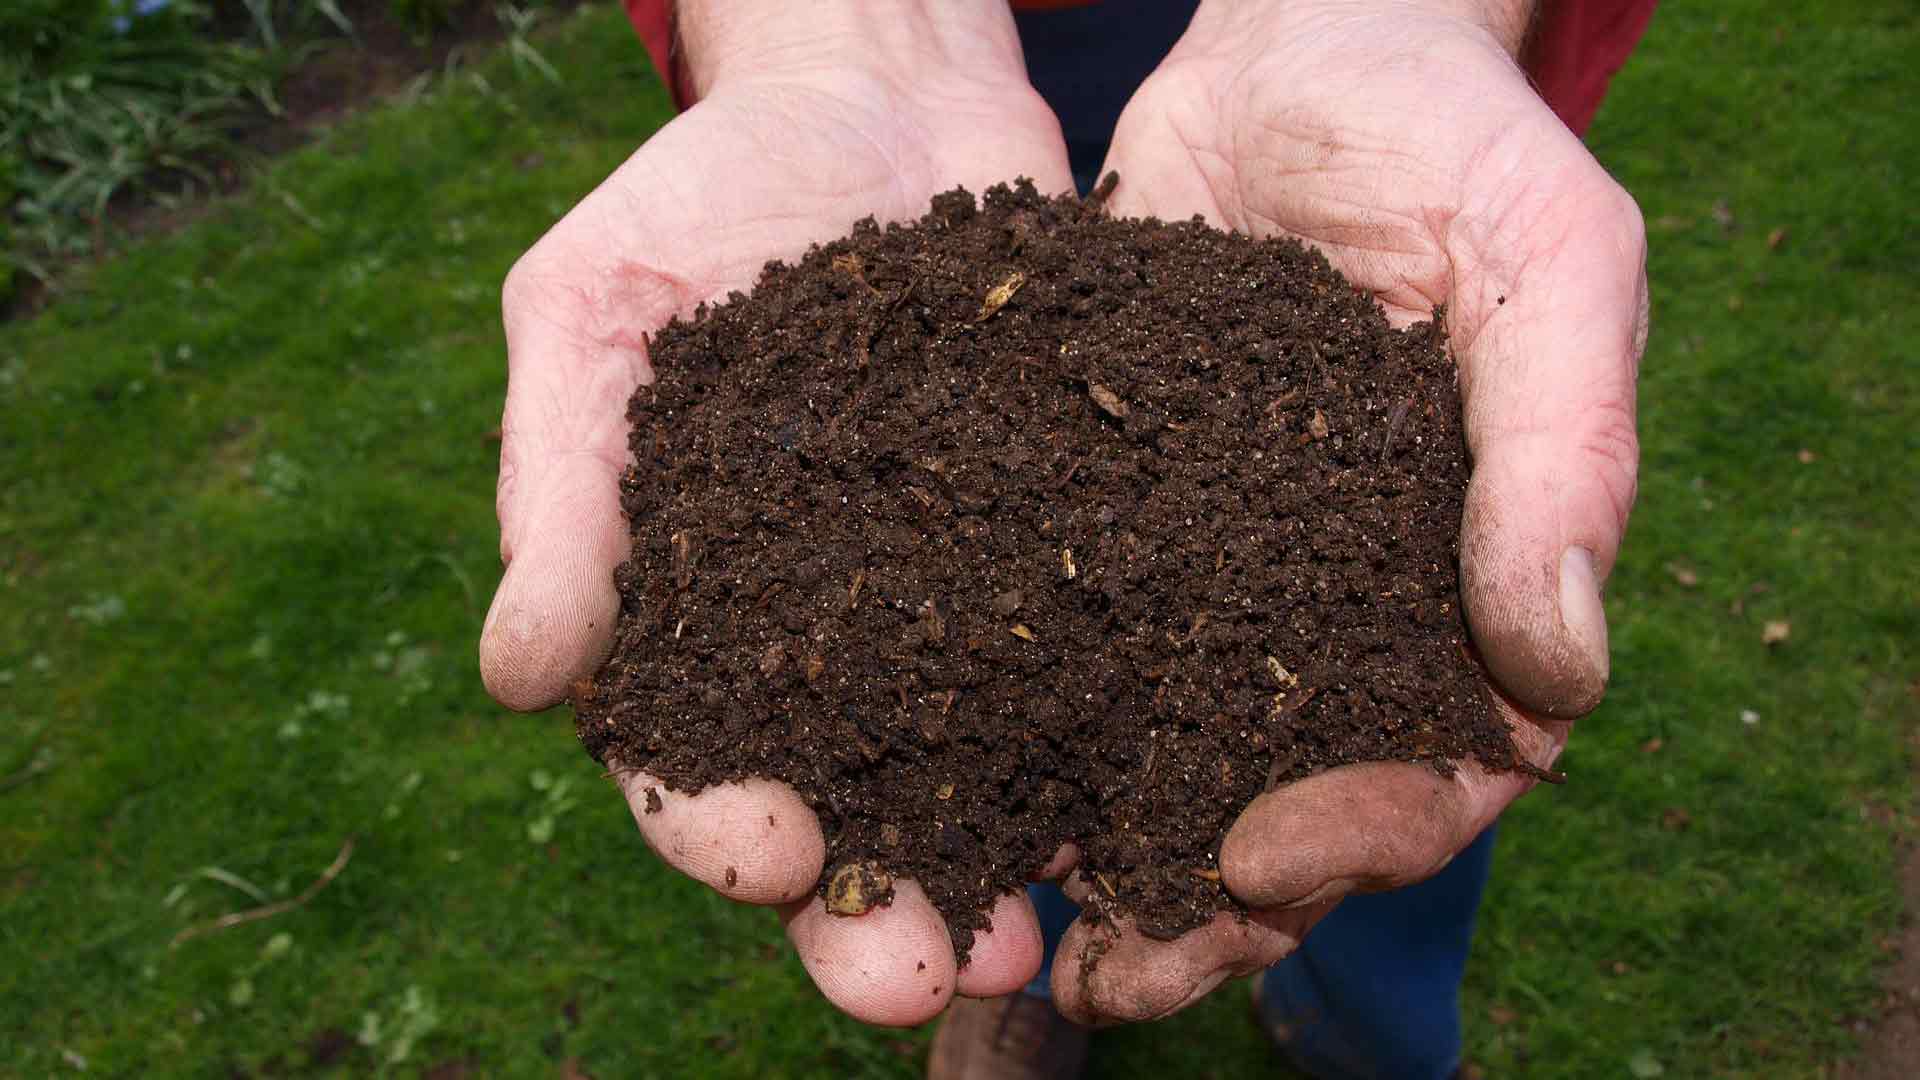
x=753 y=841
x=1549 y=338
x=1110 y=973
x=1379 y=825
x=552 y=617
x=1006 y=957
x=892 y=966
x=575 y=353
x=1061 y=864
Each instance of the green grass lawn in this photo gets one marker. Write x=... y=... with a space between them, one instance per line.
x=246 y=540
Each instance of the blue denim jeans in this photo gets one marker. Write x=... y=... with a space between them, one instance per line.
x=1374 y=991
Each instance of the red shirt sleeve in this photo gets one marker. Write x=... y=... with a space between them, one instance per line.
x=1573 y=53
x=1577 y=47
x=653 y=20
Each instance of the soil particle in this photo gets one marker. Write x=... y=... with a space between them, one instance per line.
x=1020 y=526
x=857 y=888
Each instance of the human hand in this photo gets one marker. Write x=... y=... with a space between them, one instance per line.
x=807 y=121
x=1401 y=139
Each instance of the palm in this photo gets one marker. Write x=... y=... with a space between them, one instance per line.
x=736 y=181
x=1418 y=160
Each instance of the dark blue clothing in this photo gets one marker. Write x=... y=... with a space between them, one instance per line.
x=1374 y=991
x=1088 y=61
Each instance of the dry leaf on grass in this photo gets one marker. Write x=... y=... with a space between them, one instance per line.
x=1776 y=631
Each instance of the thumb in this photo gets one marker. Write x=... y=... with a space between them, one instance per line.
x=552 y=617
x=1549 y=344
x=563 y=447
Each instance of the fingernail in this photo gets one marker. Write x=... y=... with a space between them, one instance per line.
x=1580 y=609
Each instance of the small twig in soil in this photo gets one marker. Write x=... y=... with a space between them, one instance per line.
x=826 y=791
x=1109 y=402
x=1274 y=768
x=1545 y=776
x=238 y=918
x=1317 y=428
x=851 y=265
x=682 y=559
x=1283 y=706
x=1068 y=478
x=1104 y=190
x=998 y=296
x=1398 y=417
x=880 y=320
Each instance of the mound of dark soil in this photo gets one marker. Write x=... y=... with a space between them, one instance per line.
x=1021 y=525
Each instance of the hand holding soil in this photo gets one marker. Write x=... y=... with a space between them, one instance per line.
x=1473 y=197
x=1409 y=149
x=770 y=160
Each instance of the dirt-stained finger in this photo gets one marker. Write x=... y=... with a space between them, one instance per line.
x=892 y=965
x=1007 y=957
x=1373 y=826
x=1110 y=973
x=753 y=841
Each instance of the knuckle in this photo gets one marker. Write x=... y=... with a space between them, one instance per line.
x=1630 y=224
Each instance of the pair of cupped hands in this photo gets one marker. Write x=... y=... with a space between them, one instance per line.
x=1397 y=136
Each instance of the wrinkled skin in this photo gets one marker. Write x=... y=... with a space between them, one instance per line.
x=1414 y=154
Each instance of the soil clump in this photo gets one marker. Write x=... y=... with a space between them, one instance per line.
x=1021 y=525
